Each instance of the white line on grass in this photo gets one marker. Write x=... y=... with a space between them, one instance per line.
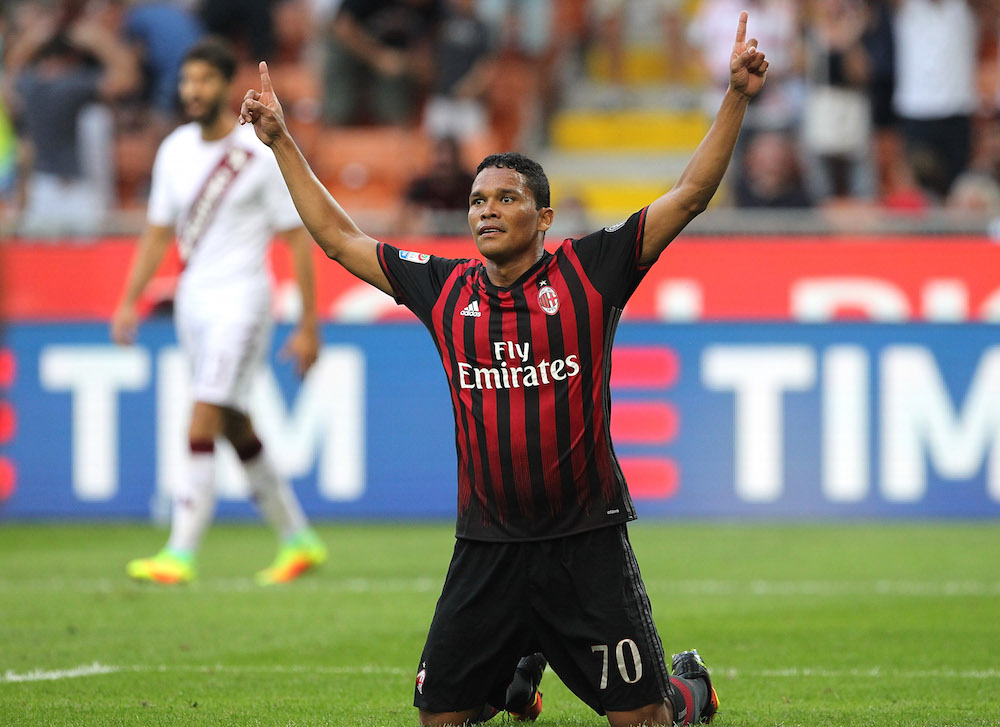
x=222 y=585
x=807 y=672
x=43 y=675
x=97 y=669
x=811 y=588
x=882 y=587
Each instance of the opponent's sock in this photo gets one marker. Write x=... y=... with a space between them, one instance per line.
x=270 y=492
x=688 y=697
x=194 y=500
x=185 y=557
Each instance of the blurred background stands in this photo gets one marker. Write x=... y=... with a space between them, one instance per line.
x=612 y=96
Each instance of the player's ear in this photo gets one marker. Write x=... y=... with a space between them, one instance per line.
x=545 y=215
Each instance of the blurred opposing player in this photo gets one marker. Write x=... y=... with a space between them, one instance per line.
x=218 y=188
x=542 y=562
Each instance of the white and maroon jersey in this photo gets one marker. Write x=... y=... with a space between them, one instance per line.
x=225 y=200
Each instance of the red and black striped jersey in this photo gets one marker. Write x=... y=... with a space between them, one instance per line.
x=529 y=367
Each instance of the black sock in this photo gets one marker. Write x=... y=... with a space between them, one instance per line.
x=688 y=697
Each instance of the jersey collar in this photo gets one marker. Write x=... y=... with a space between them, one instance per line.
x=527 y=275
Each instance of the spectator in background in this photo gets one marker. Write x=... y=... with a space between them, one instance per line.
x=528 y=42
x=778 y=28
x=609 y=20
x=936 y=44
x=378 y=60
x=836 y=122
x=462 y=58
x=246 y=23
x=772 y=175
x=614 y=19
x=437 y=202
x=162 y=33
x=56 y=66
x=523 y=25
x=974 y=194
x=295 y=31
x=892 y=174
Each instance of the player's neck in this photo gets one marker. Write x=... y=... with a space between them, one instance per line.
x=217 y=128
x=504 y=274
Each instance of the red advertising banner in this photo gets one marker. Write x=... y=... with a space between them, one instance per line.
x=698 y=278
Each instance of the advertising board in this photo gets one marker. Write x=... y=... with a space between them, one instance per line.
x=734 y=420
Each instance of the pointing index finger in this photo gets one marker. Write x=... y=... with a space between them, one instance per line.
x=265 y=78
x=741 y=28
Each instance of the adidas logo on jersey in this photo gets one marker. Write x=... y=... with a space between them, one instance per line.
x=472 y=309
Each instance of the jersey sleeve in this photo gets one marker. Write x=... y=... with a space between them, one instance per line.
x=161 y=210
x=416 y=278
x=610 y=257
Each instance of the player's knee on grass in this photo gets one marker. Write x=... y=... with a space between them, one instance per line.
x=659 y=713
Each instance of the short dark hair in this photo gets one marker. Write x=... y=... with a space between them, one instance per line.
x=531 y=170
x=216 y=52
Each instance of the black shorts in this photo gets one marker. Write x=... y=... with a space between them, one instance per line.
x=579 y=599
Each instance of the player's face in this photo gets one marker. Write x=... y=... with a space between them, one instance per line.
x=505 y=223
x=204 y=91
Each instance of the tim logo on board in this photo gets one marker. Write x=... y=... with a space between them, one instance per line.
x=900 y=424
x=310 y=434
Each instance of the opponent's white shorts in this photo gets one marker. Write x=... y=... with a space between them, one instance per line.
x=225 y=334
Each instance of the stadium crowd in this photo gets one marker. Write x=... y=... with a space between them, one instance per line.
x=881 y=104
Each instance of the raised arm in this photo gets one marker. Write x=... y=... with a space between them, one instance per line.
x=121 y=73
x=325 y=219
x=671 y=213
x=22 y=47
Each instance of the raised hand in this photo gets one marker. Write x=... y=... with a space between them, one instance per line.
x=261 y=108
x=748 y=67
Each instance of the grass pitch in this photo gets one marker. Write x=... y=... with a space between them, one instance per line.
x=818 y=625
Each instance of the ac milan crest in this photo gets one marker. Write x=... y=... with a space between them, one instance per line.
x=421 y=675
x=548 y=299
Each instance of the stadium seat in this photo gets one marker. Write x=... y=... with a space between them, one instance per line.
x=368 y=168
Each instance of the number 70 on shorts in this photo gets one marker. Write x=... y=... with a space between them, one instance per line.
x=625 y=644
